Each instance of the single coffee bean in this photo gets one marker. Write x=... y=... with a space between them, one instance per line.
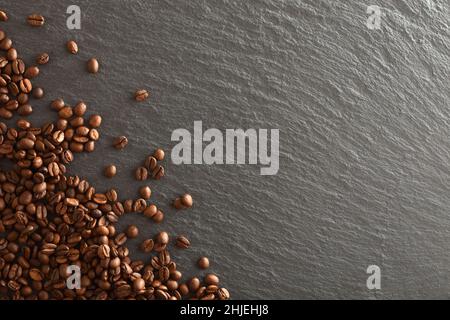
x=95 y=121
x=141 y=174
x=43 y=58
x=132 y=231
x=72 y=47
x=57 y=104
x=65 y=113
x=25 y=86
x=186 y=200
x=162 y=238
x=158 y=172
x=203 y=263
x=211 y=279
x=11 y=55
x=159 y=154
x=138 y=285
x=110 y=171
x=141 y=95
x=145 y=192
x=93 y=65
x=194 y=284
x=31 y=72
x=158 y=217
x=139 y=205
x=147 y=245
x=120 y=142
x=38 y=92
x=103 y=251
x=182 y=242
x=3 y=16
x=223 y=294
x=6 y=44
x=36 y=20
x=80 y=109
x=150 y=211
x=150 y=163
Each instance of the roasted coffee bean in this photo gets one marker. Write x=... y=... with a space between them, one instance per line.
x=211 y=279
x=31 y=72
x=158 y=217
x=110 y=171
x=141 y=95
x=159 y=154
x=38 y=92
x=150 y=163
x=182 y=242
x=162 y=238
x=72 y=47
x=95 y=121
x=43 y=58
x=150 y=211
x=25 y=86
x=147 y=245
x=145 y=192
x=132 y=231
x=186 y=200
x=139 y=205
x=36 y=20
x=203 y=263
x=158 y=172
x=3 y=16
x=141 y=174
x=194 y=284
x=120 y=142
x=92 y=65
x=11 y=55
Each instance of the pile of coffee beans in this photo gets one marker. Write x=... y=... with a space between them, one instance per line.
x=50 y=220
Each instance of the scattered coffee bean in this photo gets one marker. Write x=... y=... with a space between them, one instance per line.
x=43 y=58
x=93 y=65
x=110 y=171
x=145 y=192
x=31 y=72
x=72 y=47
x=203 y=263
x=3 y=16
x=211 y=279
x=141 y=174
x=38 y=92
x=162 y=238
x=36 y=20
x=147 y=245
x=120 y=142
x=132 y=231
x=95 y=121
x=183 y=242
x=186 y=200
x=141 y=95
x=159 y=154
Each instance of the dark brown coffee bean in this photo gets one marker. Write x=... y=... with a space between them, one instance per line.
x=147 y=245
x=31 y=72
x=145 y=192
x=103 y=251
x=110 y=171
x=57 y=104
x=120 y=142
x=72 y=47
x=223 y=294
x=162 y=238
x=92 y=65
x=141 y=174
x=65 y=113
x=36 y=20
x=203 y=263
x=6 y=44
x=132 y=231
x=150 y=211
x=182 y=242
x=95 y=121
x=194 y=284
x=38 y=92
x=43 y=58
x=11 y=55
x=158 y=172
x=150 y=163
x=141 y=95
x=25 y=86
x=158 y=217
x=3 y=16
x=139 y=205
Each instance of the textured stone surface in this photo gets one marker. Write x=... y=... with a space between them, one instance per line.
x=364 y=120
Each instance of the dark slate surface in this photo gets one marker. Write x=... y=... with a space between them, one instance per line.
x=363 y=118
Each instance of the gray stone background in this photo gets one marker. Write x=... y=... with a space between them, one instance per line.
x=363 y=117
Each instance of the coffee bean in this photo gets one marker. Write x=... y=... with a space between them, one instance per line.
x=147 y=245
x=203 y=263
x=162 y=238
x=141 y=174
x=182 y=242
x=159 y=154
x=158 y=217
x=43 y=58
x=194 y=284
x=11 y=55
x=141 y=95
x=145 y=192
x=158 y=172
x=103 y=251
x=80 y=109
x=93 y=65
x=3 y=16
x=95 y=121
x=110 y=171
x=57 y=104
x=120 y=142
x=31 y=72
x=138 y=285
x=211 y=279
x=38 y=92
x=186 y=200
x=150 y=211
x=65 y=113
x=132 y=231
x=223 y=294
x=139 y=205
x=150 y=163
x=36 y=20
x=25 y=86
x=72 y=47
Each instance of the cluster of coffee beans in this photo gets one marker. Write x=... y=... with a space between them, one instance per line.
x=50 y=220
